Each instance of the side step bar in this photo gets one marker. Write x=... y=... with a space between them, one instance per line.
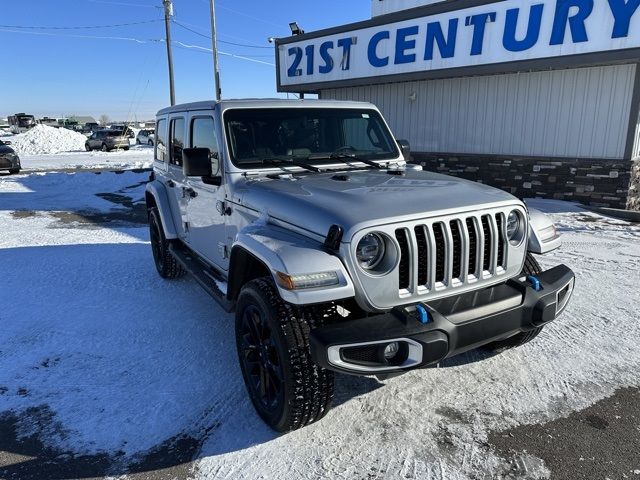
x=204 y=275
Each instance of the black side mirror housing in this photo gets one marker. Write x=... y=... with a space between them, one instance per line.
x=405 y=148
x=196 y=162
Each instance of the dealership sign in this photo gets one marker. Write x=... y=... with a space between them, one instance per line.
x=487 y=34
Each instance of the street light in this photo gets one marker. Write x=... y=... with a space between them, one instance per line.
x=295 y=29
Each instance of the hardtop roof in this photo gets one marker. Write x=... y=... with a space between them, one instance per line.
x=262 y=103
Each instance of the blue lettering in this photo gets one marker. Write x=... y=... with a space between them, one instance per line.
x=294 y=71
x=622 y=13
x=374 y=59
x=435 y=35
x=402 y=45
x=326 y=57
x=576 y=22
x=479 y=22
x=345 y=44
x=310 y=52
x=533 y=30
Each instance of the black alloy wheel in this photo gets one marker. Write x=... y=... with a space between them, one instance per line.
x=260 y=359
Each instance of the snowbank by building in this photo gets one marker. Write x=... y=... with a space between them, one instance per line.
x=43 y=139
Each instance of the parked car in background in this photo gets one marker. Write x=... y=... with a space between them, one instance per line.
x=9 y=160
x=21 y=122
x=146 y=137
x=89 y=128
x=106 y=140
x=124 y=130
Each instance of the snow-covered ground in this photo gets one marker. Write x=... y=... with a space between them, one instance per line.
x=140 y=156
x=122 y=361
x=46 y=148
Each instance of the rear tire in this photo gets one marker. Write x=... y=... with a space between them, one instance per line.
x=286 y=388
x=87 y=147
x=14 y=171
x=166 y=265
x=104 y=147
x=151 y=143
x=531 y=267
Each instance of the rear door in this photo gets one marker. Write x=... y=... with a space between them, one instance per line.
x=205 y=207
x=175 y=175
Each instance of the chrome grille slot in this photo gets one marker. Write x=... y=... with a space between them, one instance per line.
x=405 y=259
x=473 y=246
x=501 y=239
x=486 y=230
x=423 y=259
x=456 y=236
x=441 y=248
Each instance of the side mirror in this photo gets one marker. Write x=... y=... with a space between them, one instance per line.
x=7 y=143
x=405 y=148
x=196 y=162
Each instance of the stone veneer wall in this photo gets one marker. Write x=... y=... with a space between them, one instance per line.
x=633 y=200
x=600 y=183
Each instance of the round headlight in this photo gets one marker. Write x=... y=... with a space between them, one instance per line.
x=370 y=251
x=515 y=227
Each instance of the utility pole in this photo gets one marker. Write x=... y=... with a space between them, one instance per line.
x=168 y=13
x=214 y=46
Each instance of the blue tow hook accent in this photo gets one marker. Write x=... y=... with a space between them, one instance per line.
x=424 y=315
x=535 y=282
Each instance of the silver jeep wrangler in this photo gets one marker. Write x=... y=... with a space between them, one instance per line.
x=335 y=253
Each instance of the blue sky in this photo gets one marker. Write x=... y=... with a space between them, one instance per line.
x=62 y=72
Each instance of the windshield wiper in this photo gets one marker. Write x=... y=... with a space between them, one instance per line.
x=279 y=162
x=344 y=157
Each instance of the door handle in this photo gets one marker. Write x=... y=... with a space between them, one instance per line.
x=190 y=192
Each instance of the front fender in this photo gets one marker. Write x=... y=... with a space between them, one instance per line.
x=284 y=251
x=159 y=193
x=542 y=233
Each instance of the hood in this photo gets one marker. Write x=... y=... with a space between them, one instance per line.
x=357 y=200
x=4 y=149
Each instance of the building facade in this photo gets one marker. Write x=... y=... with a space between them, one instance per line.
x=540 y=98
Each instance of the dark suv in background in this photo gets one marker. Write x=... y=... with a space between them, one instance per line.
x=107 y=140
x=9 y=160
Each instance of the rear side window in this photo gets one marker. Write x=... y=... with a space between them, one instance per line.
x=203 y=135
x=177 y=141
x=161 y=141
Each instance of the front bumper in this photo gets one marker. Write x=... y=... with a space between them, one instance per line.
x=451 y=326
x=7 y=163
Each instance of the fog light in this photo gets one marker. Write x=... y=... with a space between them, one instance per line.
x=391 y=350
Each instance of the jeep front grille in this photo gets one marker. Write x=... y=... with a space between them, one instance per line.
x=451 y=253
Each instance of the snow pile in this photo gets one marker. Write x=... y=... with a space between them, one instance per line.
x=43 y=139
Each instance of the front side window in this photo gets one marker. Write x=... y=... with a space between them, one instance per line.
x=161 y=141
x=177 y=141
x=260 y=137
x=203 y=134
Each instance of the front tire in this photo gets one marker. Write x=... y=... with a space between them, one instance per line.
x=166 y=265
x=104 y=147
x=87 y=147
x=286 y=388
x=14 y=171
x=531 y=267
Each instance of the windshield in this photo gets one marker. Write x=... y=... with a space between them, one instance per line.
x=257 y=137
x=26 y=121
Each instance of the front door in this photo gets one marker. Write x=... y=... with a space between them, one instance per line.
x=205 y=207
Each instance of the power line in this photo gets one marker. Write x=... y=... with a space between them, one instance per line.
x=193 y=48
x=39 y=27
x=219 y=41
